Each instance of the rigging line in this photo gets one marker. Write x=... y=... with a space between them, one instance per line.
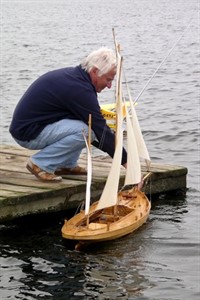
x=162 y=62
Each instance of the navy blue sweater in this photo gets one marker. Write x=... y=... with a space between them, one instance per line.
x=60 y=94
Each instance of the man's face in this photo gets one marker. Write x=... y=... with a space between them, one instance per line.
x=103 y=81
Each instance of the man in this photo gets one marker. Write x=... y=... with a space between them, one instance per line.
x=54 y=111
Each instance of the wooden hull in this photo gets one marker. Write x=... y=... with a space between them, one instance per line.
x=131 y=212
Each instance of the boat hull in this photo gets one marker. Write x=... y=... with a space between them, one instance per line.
x=129 y=214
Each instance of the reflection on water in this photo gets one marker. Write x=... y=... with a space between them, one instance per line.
x=36 y=262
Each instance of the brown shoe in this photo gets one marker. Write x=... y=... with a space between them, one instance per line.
x=41 y=174
x=71 y=171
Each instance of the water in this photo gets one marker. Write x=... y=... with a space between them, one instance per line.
x=161 y=260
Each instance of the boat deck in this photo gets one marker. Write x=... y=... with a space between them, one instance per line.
x=23 y=194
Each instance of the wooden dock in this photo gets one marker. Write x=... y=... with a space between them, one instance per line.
x=23 y=194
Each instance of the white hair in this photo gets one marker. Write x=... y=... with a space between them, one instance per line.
x=104 y=59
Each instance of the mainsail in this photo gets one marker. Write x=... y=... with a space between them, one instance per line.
x=136 y=147
x=109 y=195
x=133 y=171
x=142 y=149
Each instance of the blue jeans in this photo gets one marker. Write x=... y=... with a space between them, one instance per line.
x=60 y=145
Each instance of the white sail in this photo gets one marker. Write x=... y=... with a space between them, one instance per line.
x=89 y=178
x=142 y=148
x=133 y=171
x=110 y=192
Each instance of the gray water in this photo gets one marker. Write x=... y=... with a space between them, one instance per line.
x=161 y=260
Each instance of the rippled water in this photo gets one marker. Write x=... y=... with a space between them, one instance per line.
x=161 y=260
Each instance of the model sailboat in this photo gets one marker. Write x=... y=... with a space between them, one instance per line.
x=117 y=213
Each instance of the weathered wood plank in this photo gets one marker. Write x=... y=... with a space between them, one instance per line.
x=21 y=178
x=18 y=188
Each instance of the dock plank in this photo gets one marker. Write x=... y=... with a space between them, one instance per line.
x=23 y=179
x=21 y=193
x=18 y=188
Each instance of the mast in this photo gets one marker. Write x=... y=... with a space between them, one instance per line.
x=89 y=170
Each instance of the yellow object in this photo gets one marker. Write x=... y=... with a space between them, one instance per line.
x=108 y=112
